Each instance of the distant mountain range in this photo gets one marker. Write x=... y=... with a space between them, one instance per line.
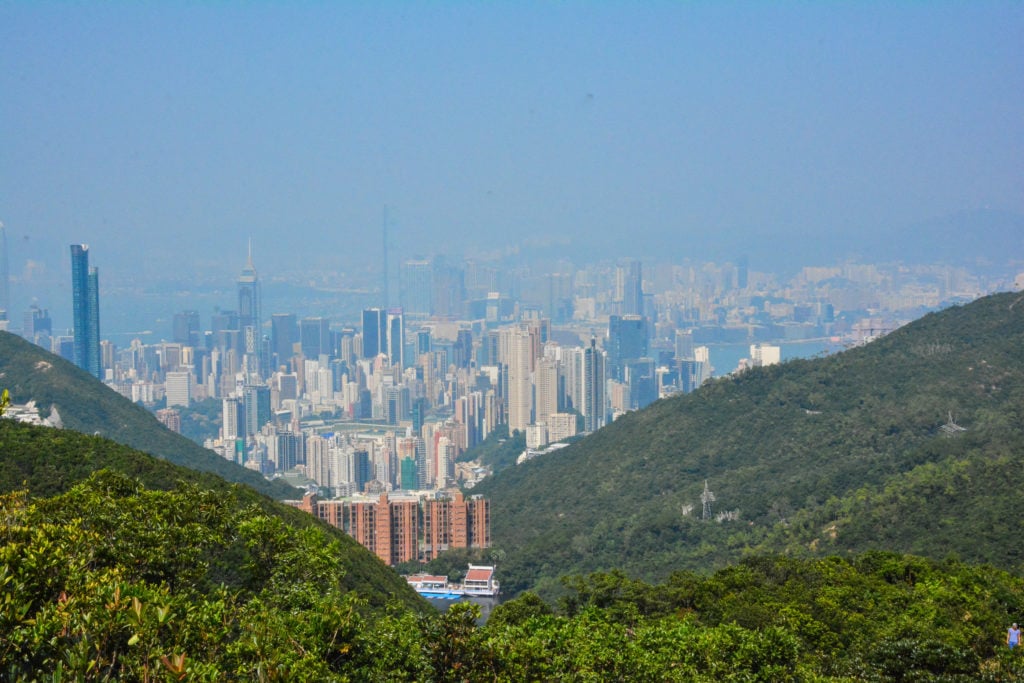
x=913 y=443
x=87 y=405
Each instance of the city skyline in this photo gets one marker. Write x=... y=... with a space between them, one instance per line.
x=145 y=305
x=392 y=403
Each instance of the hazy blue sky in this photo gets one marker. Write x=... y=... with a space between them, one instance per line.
x=655 y=128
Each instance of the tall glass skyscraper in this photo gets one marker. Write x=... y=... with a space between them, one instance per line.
x=85 y=291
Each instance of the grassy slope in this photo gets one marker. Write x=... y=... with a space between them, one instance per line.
x=852 y=438
x=48 y=462
x=88 y=406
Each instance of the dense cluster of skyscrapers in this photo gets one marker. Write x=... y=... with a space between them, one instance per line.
x=391 y=397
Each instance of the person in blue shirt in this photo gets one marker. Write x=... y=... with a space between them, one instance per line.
x=1013 y=636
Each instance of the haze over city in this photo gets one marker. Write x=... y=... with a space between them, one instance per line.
x=167 y=135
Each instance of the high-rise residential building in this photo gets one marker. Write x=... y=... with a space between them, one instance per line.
x=456 y=522
x=375 y=332
x=233 y=419
x=572 y=367
x=288 y=450
x=318 y=465
x=595 y=409
x=388 y=526
x=178 y=388
x=546 y=388
x=85 y=290
x=257 y=408
x=186 y=328
x=518 y=357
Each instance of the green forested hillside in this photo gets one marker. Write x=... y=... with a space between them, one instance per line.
x=47 y=462
x=168 y=574
x=87 y=405
x=839 y=454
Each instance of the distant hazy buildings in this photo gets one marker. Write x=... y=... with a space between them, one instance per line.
x=629 y=283
x=85 y=289
x=417 y=287
x=37 y=325
x=284 y=332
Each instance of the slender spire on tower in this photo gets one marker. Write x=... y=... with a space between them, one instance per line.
x=248 y=293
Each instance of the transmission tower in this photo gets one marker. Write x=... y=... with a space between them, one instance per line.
x=707 y=498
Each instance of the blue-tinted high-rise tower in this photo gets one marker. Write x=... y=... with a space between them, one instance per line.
x=85 y=291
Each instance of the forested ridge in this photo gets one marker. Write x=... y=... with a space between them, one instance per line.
x=812 y=457
x=42 y=464
x=114 y=581
x=87 y=405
